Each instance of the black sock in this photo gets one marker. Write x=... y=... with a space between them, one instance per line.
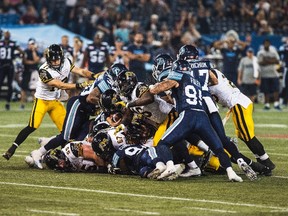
x=24 y=133
x=255 y=146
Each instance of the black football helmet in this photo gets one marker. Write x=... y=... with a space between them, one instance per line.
x=139 y=131
x=188 y=53
x=116 y=69
x=54 y=52
x=102 y=145
x=108 y=101
x=55 y=159
x=99 y=126
x=126 y=82
x=162 y=62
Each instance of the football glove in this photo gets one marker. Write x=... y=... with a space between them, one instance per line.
x=83 y=85
x=113 y=170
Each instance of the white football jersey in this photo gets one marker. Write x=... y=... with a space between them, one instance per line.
x=227 y=94
x=74 y=153
x=156 y=111
x=46 y=74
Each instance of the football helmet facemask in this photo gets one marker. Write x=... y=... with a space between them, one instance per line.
x=102 y=145
x=116 y=69
x=126 y=82
x=55 y=159
x=162 y=62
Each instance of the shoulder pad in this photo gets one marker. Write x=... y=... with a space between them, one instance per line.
x=141 y=89
x=45 y=76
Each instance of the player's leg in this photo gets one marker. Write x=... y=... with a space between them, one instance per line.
x=244 y=125
x=37 y=114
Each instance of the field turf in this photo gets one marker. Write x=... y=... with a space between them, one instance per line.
x=27 y=191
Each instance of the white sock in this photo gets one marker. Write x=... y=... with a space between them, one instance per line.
x=202 y=145
x=229 y=170
x=161 y=166
x=264 y=157
x=42 y=150
x=276 y=103
x=192 y=165
x=170 y=164
x=267 y=105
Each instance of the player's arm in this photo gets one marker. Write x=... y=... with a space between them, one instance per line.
x=213 y=80
x=94 y=96
x=89 y=154
x=83 y=72
x=163 y=86
x=50 y=81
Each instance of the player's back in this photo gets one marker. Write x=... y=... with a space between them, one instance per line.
x=188 y=95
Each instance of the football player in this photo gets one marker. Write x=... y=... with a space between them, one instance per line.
x=74 y=157
x=187 y=93
x=227 y=94
x=53 y=75
x=79 y=110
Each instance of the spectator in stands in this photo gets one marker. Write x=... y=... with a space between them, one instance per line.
x=30 y=17
x=7 y=48
x=283 y=53
x=231 y=49
x=153 y=25
x=94 y=18
x=248 y=74
x=67 y=49
x=105 y=24
x=31 y=60
x=44 y=15
x=265 y=28
x=138 y=55
x=165 y=47
x=268 y=58
x=122 y=32
x=118 y=52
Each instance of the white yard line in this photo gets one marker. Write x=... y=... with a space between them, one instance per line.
x=212 y=210
x=134 y=211
x=52 y=212
x=150 y=196
x=271 y=125
x=44 y=125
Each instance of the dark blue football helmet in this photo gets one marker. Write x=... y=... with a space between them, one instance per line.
x=188 y=53
x=162 y=62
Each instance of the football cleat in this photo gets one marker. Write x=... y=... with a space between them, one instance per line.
x=249 y=172
x=29 y=160
x=36 y=156
x=154 y=174
x=192 y=172
x=232 y=176
x=267 y=163
x=9 y=153
x=168 y=172
x=179 y=169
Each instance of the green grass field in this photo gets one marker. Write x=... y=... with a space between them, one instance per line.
x=27 y=191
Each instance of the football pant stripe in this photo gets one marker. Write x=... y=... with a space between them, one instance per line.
x=32 y=116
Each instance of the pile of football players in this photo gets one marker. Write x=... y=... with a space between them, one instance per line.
x=129 y=121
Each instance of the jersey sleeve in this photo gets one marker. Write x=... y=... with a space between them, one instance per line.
x=141 y=89
x=71 y=64
x=173 y=75
x=45 y=76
